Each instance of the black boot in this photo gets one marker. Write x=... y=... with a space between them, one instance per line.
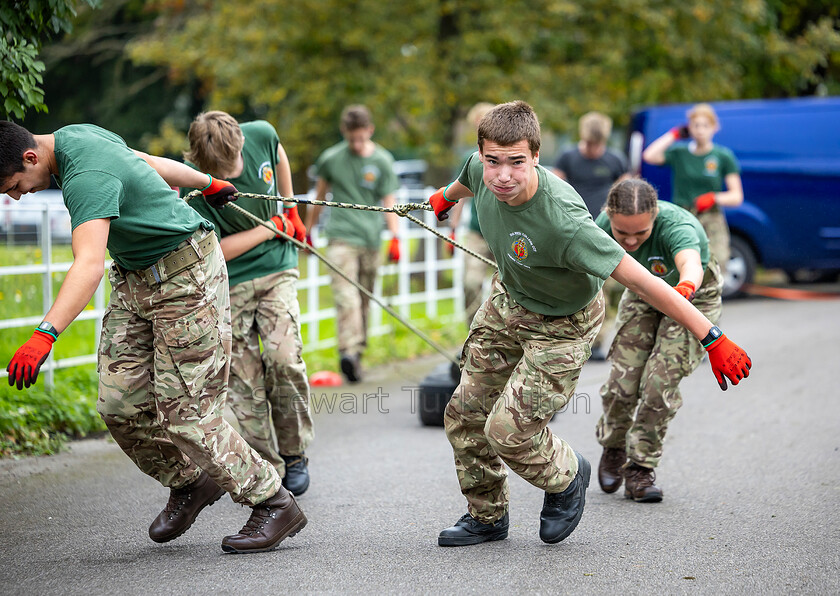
x=296 y=479
x=561 y=511
x=469 y=530
x=351 y=366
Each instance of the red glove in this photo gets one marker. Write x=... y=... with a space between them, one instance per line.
x=292 y=215
x=219 y=193
x=450 y=248
x=309 y=241
x=394 y=250
x=680 y=132
x=27 y=361
x=283 y=225
x=704 y=202
x=441 y=204
x=728 y=360
x=687 y=289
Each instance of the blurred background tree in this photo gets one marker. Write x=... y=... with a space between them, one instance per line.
x=420 y=65
x=24 y=26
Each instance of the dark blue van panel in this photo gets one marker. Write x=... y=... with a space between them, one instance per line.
x=789 y=153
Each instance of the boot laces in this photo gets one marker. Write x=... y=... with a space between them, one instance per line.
x=178 y=499
x=641 y=477
x=260 y=515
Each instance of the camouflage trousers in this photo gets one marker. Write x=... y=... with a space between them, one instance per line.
x=352 y=307
x=714 y=224
x=269 y=391
x=650 y=355
x=518 y=369
x=164 y=358
x=475 y=271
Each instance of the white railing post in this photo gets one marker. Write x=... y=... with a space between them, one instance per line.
x=46 y=285
x=431 y=266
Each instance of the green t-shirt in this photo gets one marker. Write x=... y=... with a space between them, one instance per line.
x=259 y=156
x=473 y=225
x=361 y=181
x=674 y=229
x=694 y=175
x=101 y=177
x=552 y=257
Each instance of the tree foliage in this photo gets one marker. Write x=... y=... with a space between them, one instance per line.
x=26 y=24
x=420 y=65
x=89 y=78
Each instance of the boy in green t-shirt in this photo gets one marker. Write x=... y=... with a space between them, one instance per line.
x=269 y=390
x=361 y=172
x=530 y=338
x=164 y=352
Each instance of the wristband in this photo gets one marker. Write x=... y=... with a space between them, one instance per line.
x=711 y=337
x=444 y=192
x=47 y=328
x=209 y=184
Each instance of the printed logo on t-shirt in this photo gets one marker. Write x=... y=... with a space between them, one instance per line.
x=711 y=165
x=521 y=248
x=657 y=266
x=370 y=174
x=266 y=174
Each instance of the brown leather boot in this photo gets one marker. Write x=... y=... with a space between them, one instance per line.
x=609 y=470
x=184 y=505
x=638 y=484
x=271 y=521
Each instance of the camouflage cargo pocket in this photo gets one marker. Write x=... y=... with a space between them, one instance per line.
x=196 y=348
x=550 y=378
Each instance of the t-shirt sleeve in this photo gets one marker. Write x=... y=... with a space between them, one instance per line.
x=593 y=251
x=729 y=164
x=322 y=167
x=620 y=165
x=562 y=163
x=92 y=195
x=471 y=174
x=680 y=237
x=671 y=153
x=389 y=182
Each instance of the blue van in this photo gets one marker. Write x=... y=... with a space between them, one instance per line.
x=789 y=152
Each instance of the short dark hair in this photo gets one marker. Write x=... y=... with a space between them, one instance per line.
x=355 y=117
x=509 y=123
x=14 y=140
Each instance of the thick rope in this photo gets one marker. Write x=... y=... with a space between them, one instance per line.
x=402 y=209
x=335 y=268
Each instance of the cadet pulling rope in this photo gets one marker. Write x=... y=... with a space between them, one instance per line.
x=328 y=263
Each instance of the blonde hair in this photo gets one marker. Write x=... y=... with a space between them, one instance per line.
x=215 y=142
x=477 y=112
x=703 y=109
x=595 y=127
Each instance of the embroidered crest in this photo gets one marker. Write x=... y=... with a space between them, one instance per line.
x=711 y=165
x=657 y=266
x=520 y=250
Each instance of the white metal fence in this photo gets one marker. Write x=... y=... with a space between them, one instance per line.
x=421 y=257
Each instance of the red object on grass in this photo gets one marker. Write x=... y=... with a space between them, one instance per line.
x=325 y=378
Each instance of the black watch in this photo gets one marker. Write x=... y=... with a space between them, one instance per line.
x=48 y=328
x=711 y=337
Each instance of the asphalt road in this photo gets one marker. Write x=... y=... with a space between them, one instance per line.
x=751 y=480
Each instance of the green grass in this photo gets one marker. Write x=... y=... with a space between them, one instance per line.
x=35 y=421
